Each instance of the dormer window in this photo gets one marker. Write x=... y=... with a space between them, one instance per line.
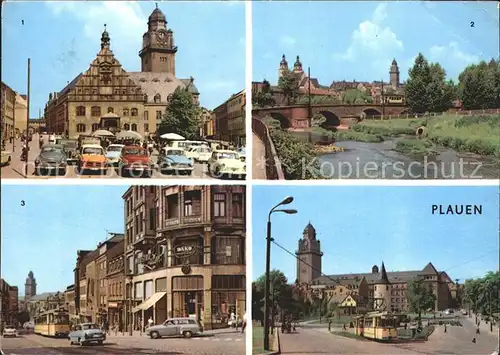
x=156 y=80
x=142 y=80
x=157 y=98
x=145 y=98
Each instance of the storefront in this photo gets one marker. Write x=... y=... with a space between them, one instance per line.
x=187 y=296
x=228 y=297
x=115 y=315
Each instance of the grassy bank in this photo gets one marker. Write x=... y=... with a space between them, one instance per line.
x=475 y=134
x=415 y=147
x=349 y=135
x=258 y=340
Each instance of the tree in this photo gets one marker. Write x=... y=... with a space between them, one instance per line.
x=289 y=85
x=426 y=89
x=356 y=97
x=23 y=317
x=420 y=297
x=265 y=97
x=479 y=86
x=182 y=116
x=481 y=294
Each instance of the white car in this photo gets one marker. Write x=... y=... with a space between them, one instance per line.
x=226 y=163
x=52 y=139
x=201 y=153
x=113 y=153
x=9 y=331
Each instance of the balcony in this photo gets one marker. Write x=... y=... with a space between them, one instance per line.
x=191 y=219
x=171 y=222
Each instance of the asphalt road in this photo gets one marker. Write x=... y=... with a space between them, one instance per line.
x=16 y=169
x=457 y=341
x=219 y=344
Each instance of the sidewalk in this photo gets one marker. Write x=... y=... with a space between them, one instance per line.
x=137 y=334
x=483 y=326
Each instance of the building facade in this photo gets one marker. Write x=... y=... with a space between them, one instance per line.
x=229 y=120
x=7 y=111
x=69 y=302
x=106 y=96
x=116 y=284
x=380 y=289
x=185 y=253
x=9 y=304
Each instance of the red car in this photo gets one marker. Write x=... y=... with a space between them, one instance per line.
x=134 y=161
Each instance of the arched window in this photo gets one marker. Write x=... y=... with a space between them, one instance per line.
x=126 y=127
x=80 y=111
x=134 y=112
x=95 y=127
x=95 y=111
x=157 y=98
x=80 y=128
x=145 y=98
x=110 y=110
x=125 y=112
x=134 y=127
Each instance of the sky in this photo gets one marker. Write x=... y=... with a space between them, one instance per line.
x=362 y=226
x=44 y=235
x=63 y=38
x=347 y=40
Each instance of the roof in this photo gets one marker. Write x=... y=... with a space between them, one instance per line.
x=42 y=296
x=372 y=278
x=91 y=146
x=116 y=250
x=163 y=84
x=383 y=279
x=87 y=259
x=71 y=85
x=337 y=281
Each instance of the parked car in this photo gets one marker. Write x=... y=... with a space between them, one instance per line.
x=134 y=159
x=187 y=327
x=113 y=153
x=9 y=331
x=71 y=149
x=199 y=153
x=6 y=158
x=52 y=139
x=242 y=152
x=226 y=163
x=52 y=158
x=174 y=160
x=91 y=158
x=87 y=333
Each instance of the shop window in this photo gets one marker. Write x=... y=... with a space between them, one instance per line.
x=227 y=250
x=237 y=205
x=187 y=283
x=219 y=205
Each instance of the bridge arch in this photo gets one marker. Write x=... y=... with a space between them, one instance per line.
x=331 y=119
x=371 y=112
x=282 y=119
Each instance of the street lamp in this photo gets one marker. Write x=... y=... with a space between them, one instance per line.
x=286 y=201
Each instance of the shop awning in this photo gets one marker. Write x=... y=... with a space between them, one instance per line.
x=149 y=302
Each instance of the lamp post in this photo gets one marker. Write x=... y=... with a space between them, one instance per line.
x=286 y=201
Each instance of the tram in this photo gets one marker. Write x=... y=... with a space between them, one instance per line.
x=53 y=323
x=377 y=326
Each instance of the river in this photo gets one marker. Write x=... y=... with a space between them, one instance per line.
x=361 y=160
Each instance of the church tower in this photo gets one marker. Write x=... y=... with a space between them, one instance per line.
x=308 y=256
x=283 y=66
x=158 y=48
x=30 y=286
x=297 y=66
x=382 y=291
x=394 y=74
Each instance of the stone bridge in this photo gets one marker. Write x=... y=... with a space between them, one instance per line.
x=297 y=116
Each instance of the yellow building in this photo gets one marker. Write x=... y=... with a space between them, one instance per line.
x=8 y=99
x=236 y=118
x=106 y=96
x=21 y=114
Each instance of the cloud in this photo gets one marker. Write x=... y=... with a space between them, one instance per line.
x=372 y=38
x=287 y=40
x=452 y=53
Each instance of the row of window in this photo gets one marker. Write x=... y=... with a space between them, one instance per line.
x=115 y=289
x=81 y=127
x=95 y=111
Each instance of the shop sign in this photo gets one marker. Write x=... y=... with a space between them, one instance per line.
x=113 y=305
x=184 y=251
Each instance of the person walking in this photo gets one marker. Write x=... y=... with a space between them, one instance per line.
x=150 y=322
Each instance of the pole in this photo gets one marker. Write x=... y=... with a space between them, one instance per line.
x=272 y=308
x=27 y=122
x=14 y=131
x=267 y=285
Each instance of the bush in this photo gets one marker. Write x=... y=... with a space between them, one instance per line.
x=415 y=147
x=298 y=158
x=351 y=135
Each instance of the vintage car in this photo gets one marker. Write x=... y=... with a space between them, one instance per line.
x=226 y=163
x=134 y=161
x=199 y=153
x=91 y=158
x=9 y=331
x=6 y=158
x=87 y=333
x=187 y=327
x=71 y=149
x=174 y=160
x=113 y=153
x=52 y=158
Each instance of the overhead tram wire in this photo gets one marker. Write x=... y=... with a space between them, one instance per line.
x=339 y=283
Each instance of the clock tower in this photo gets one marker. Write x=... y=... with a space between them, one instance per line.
x=308 y=256
x=158 y=48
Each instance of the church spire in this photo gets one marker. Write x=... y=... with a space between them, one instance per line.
x=105 y=40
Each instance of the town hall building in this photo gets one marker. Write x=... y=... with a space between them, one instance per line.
x=106 y=96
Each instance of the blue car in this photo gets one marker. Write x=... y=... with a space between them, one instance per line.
x=174 y=160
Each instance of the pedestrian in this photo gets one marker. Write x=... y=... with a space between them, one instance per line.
x=474 y=340
x=244 y=324
x=445 y=328
x=150 y=322
x=478 y=330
